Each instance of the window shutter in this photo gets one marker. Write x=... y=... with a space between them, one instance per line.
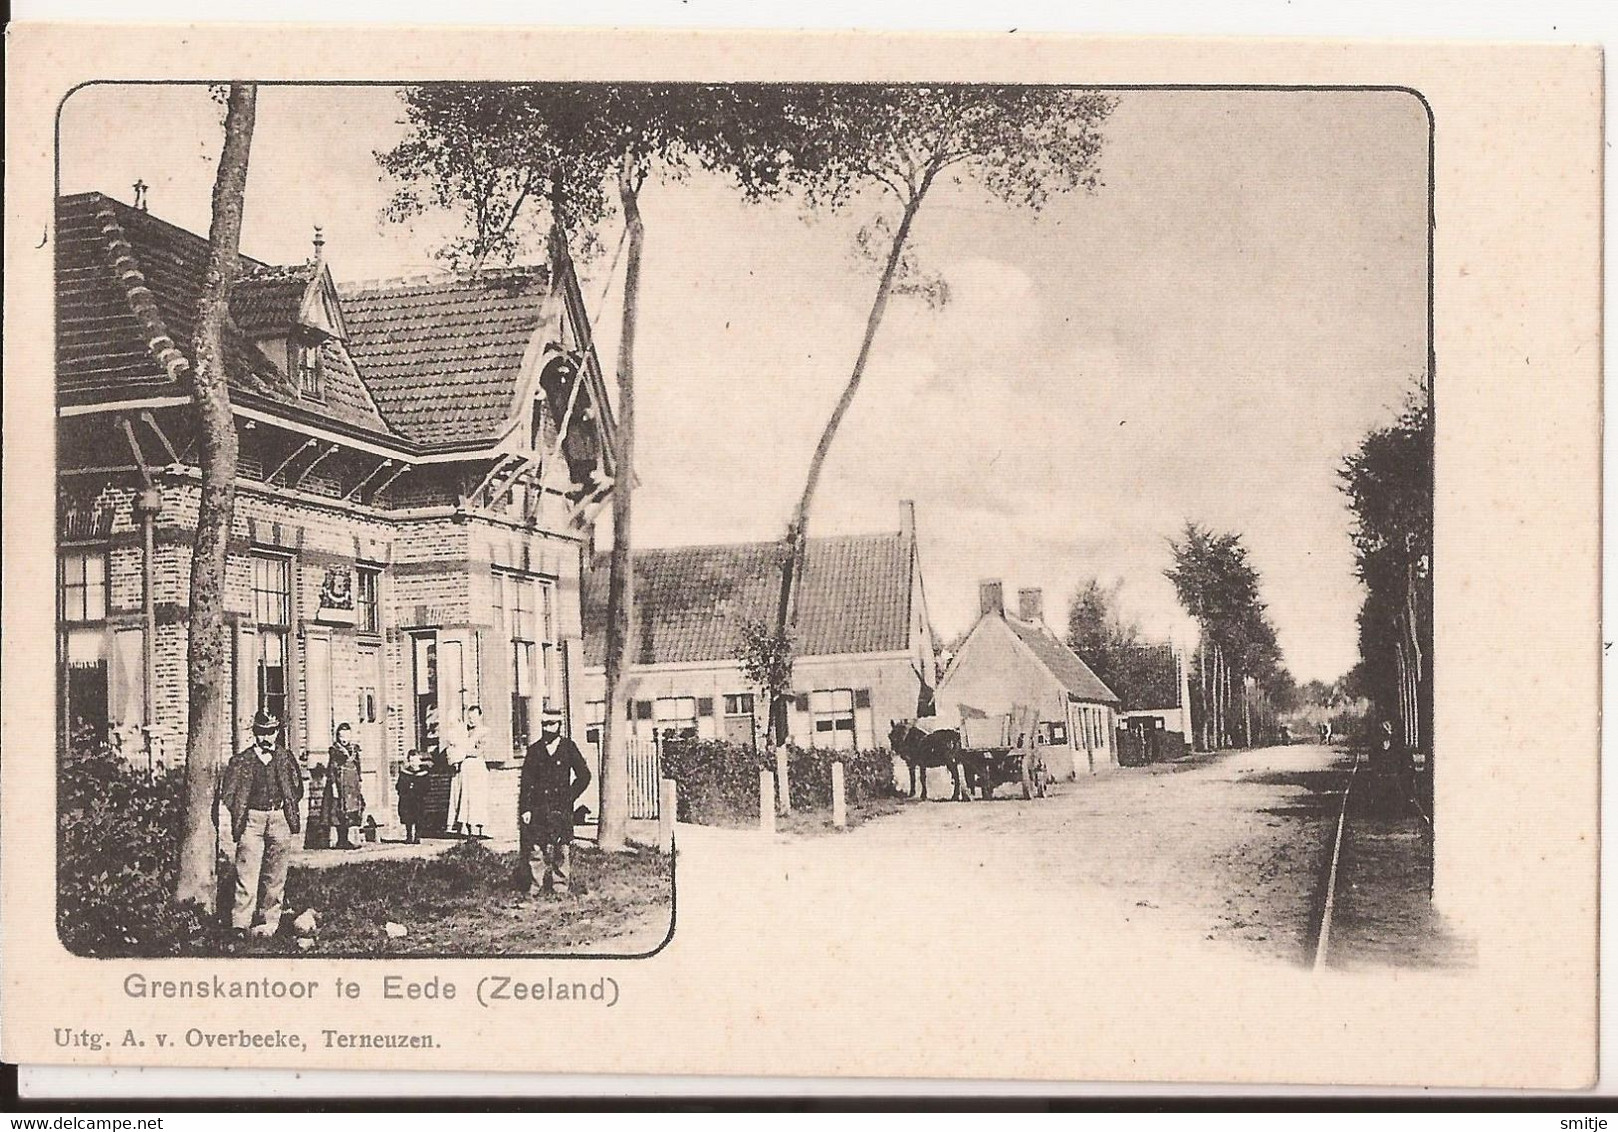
x=862 y=697
x=643 y=709
x=801 y=701
x=705 y=705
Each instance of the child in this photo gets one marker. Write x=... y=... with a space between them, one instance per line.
x=412 y=787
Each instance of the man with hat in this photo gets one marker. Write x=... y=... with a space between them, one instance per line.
x=554 y=775
x=261 y=790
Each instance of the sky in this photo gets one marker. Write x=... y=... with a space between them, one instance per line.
x=1203 y=338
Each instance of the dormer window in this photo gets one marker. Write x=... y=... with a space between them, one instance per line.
x=310 y=367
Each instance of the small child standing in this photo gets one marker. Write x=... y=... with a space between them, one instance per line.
x=412 y=789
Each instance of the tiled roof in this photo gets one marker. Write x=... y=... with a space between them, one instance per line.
x=1061 y=661
x=443 y=357
x=127 y=290
x=265 y=299
x=692 y=601
x=1151 y=678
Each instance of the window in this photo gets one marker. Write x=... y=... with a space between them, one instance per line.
x=1053 y=734
x=311 y=370
x=83 y=588
x=272 y=609
x=272 y=673
x=740 y=704
x=272 y=590
x=366 y=612
x=675 y=717
x=595 y=714
x=527 y=606
x=833 y=713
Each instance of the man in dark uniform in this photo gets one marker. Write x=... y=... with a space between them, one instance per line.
x=261 y=789
x=554 y=776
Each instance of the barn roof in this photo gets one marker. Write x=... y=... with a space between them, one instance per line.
x=127 y=289
x=692 y=601
x=1062 y=662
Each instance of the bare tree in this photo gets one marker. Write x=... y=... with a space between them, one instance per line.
x=207 y=660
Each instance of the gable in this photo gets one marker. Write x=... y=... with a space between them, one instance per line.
x=1061 y=662
x=445 y=357
x=992 y=671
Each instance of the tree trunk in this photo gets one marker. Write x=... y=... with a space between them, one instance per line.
x=620 y=577
x=1413 y=635
x=1202 y=680
x=208 y=657
x=1247 y=712
x=797 y=540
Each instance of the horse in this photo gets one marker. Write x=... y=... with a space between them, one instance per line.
x=922 y=750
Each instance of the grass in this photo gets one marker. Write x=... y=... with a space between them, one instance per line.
x=817 y=823
x=462 y=902
x=715 y=810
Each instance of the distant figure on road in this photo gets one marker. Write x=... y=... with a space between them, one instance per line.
x=1325 y=733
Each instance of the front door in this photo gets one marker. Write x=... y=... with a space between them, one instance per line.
x=376 y=767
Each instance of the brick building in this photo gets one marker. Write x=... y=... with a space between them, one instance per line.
x=420 y=463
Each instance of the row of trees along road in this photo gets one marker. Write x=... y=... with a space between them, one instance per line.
x=1389 y=484
x=510 y=158
x=1238 y=660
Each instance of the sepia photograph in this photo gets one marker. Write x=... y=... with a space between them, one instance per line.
x=1064 y=450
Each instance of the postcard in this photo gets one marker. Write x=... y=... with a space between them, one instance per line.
x=916 y=556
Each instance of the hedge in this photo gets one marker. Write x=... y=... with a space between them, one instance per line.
x=118 y=839
x=719 y=781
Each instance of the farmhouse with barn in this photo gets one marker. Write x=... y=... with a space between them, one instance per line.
x=1008 y=661
x=420 y=462
x=864 y=645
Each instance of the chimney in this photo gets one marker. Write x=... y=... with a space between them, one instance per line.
x=991 y=598
x=1031 y=604
x=320 y=244
x=140 y=188
x=907 y=519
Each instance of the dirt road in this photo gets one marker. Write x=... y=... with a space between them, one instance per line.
x=1231 y=848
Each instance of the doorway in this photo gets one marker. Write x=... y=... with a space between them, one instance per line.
x=377 y=769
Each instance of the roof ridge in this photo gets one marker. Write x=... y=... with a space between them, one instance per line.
x=431 y=278
x=864 y=535
x=142 y=303
x=248 y=262
x=275 y=272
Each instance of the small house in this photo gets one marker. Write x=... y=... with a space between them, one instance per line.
x=1009 y=660
x=1157 y=699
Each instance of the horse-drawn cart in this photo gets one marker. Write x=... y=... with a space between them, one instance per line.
x=998 y=749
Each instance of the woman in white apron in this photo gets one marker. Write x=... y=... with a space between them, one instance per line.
x=469 y=791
